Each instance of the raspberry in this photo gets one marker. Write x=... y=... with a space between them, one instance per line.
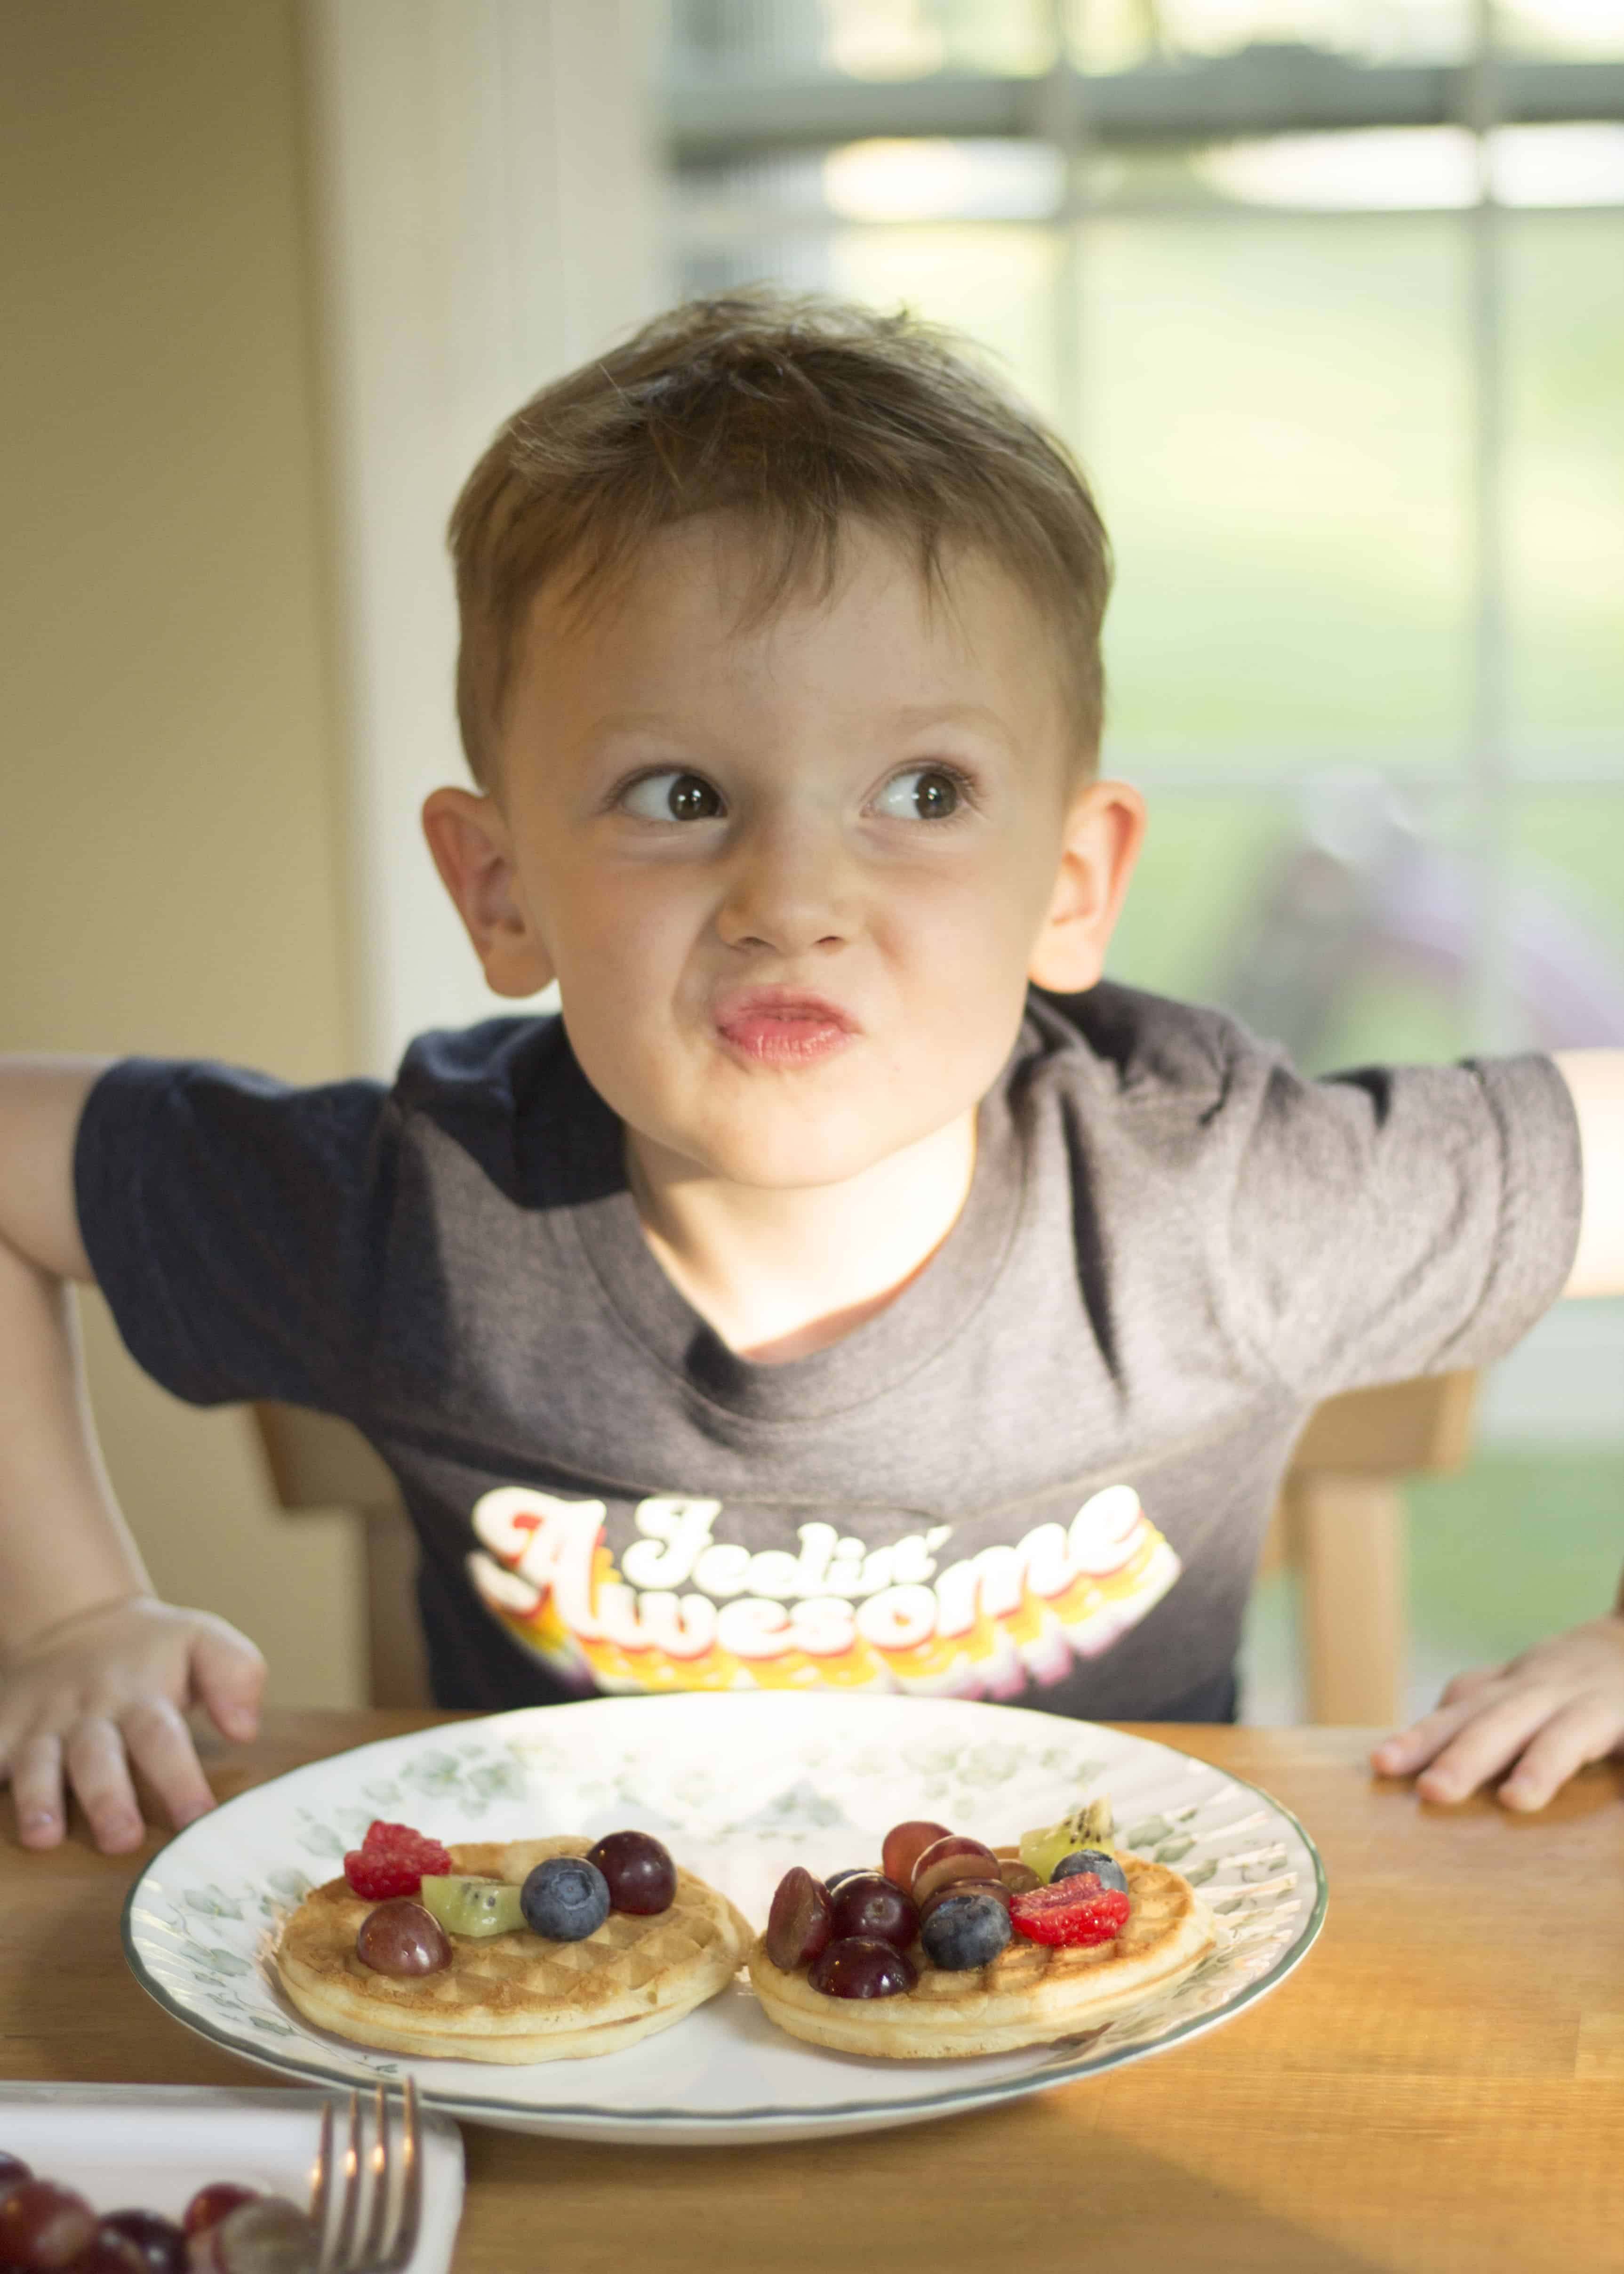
x=392 y=1859
x=1071 y=1912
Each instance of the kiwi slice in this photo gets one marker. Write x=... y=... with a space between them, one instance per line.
x=472 y=1907
x=1088 y=1826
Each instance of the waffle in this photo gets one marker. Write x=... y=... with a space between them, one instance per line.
x=1030 y=1994
x=514 y=1996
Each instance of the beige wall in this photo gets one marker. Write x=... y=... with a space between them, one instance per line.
x=168 y=837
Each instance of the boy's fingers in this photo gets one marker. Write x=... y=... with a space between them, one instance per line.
x=1472 y=1683
x=1585 y=1731
x=1409 y=1749
x=100 y=1774
x=36 y=1787
x=161 y=1746
x=1494 y=1736
x=230 y=1678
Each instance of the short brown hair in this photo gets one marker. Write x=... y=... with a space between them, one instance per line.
x=801 y=413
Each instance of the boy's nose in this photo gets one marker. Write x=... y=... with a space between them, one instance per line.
x=789 y=889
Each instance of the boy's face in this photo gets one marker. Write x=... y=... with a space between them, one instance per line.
x=792 y=876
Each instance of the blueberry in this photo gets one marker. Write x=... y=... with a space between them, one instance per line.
x=852 y=1872
x=966 y=1931
x=565 y=1899
x=1106 y=1868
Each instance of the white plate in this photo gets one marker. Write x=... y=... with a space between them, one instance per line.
x=152 y=2146
x=739 y=1787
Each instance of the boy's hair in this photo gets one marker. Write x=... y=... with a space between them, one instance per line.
x=800 y=414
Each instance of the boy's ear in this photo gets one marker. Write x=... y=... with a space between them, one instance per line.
x=468 y=840
x=1100 y=843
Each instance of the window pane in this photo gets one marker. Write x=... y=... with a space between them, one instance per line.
x=1564 y=275
x=1273 y=411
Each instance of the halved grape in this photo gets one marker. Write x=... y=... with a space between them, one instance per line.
x=798 y=1924
x=638 y=1871
x=12 y=2169
x=956 y=1857
x=43 y=2227
x=862 y=1967
x=472 y=1907
x=905 y=1844
x=401 y=1938
x=1020 y=1878
x=272 y=2236
x=872 y=1906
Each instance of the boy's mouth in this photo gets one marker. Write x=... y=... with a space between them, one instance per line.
x=780 y=1026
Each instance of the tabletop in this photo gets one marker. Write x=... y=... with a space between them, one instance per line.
x=1439 y=2085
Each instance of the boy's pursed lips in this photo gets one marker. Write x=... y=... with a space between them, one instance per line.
x=787 y=1025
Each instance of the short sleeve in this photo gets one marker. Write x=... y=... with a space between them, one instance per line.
x=234 y=1226
x=1398 y=1221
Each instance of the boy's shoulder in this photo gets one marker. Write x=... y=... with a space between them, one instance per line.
x=1145 y=1049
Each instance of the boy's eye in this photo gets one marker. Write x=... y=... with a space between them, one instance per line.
x=672 y=797
x=922 y=794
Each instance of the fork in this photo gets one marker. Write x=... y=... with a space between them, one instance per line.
x=366 y=2195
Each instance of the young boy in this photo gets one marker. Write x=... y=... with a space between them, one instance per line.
x=811 y=1303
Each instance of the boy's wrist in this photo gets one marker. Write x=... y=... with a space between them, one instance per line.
x=18 y=1649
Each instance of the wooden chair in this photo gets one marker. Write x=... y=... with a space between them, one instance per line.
x=1340 y=1522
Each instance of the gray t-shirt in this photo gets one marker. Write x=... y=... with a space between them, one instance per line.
x=1041 y=1474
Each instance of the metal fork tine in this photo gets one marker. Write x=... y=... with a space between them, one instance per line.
x=322 y=2185
x=408 y=2204
x=341 y=2254
x=369 y=2250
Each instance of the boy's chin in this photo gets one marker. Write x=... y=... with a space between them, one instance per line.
x=787 y=1153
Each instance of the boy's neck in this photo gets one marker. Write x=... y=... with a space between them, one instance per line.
x=780 y=1274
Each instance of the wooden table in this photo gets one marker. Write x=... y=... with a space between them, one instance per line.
x=1440 y=2085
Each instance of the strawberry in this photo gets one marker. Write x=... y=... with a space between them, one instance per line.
x=1071 y=1912
x=392 y=1859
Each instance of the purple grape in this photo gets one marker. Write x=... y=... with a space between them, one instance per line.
x=861 y=1966
x=639 y=1873
x=161 y=2242
x=870 y=1906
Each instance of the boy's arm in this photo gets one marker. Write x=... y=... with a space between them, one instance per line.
x=1595 y=1082
x=93 y=1671
x=1561 y=1703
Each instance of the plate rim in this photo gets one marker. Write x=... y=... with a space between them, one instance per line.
x=765 y=2121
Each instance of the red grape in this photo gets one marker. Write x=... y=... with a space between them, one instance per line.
x=798 y=1924
x=12 y=2169
x=872 y=1906
x=862 y=1967
x=211 y=2203
x=905 y=1844
x=162 y=2244
x=401 y=1938
x=956 y=1857
x=641 y=1877
x=43 y=2227
x=1018 y=1878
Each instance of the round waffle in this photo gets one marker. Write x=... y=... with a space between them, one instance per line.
x=514 y=1996
x=1030 y=1994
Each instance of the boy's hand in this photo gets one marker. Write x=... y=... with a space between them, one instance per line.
x=94 y=1694
x=1550 y=1710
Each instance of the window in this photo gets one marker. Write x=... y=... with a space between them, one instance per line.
x=1329 y=296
